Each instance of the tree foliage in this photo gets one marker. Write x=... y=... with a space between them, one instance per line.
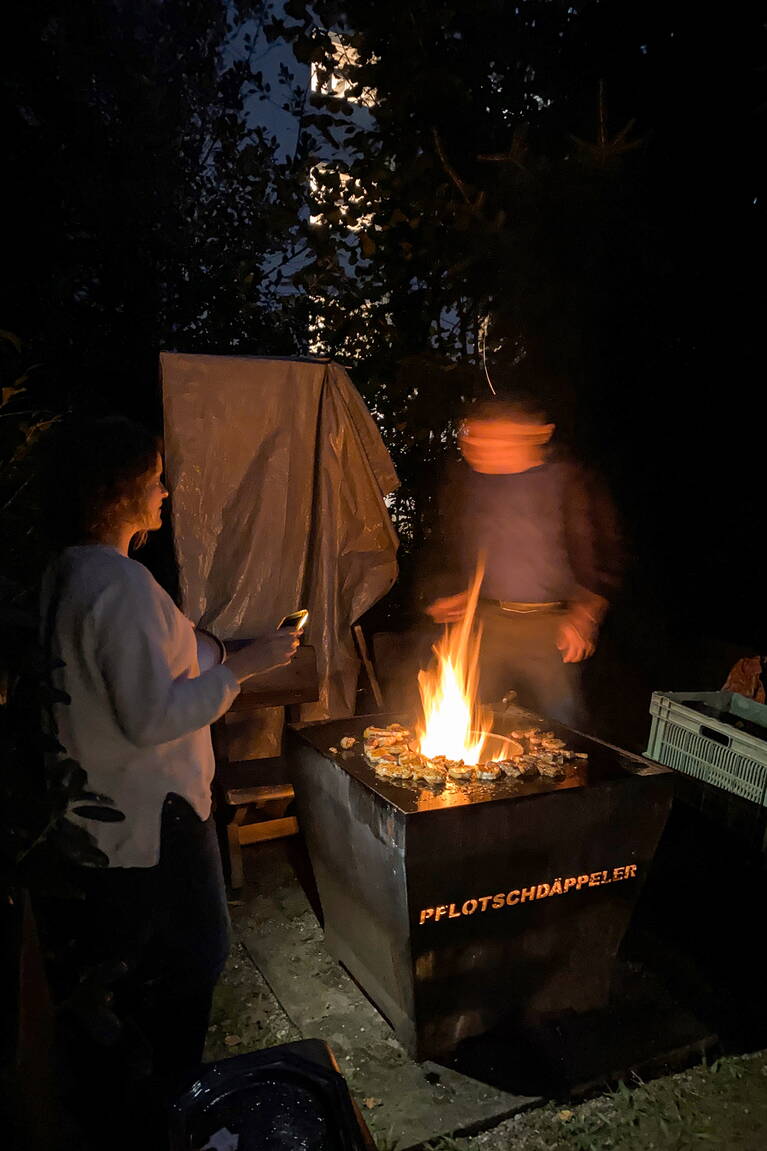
x=494 y=203
x=587 y=175
x=142 y=200
x=584 y=174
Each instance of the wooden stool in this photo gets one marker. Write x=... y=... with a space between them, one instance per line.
x=250 y=790
x=242 y=829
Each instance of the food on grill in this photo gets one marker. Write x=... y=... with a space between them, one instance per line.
x=387 y=769
x=536 y=738
x=518 y=768
x=431 y=773
x=488 y=772
x=381 y=735
x=551 y=770
x=457 y=769
x=412 y=759
x=532 y=753
x=374 y=754
x=397 y=749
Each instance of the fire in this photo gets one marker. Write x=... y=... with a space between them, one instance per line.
x=454 y=723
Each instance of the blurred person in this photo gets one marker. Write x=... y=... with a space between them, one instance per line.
x=548 y=537
x=143 y=686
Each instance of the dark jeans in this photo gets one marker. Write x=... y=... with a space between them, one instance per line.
x=134 y=964
x=519 y=653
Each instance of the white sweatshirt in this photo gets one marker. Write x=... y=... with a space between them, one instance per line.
x=139 y=716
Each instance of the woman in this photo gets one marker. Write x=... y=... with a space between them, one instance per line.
x=154 y=920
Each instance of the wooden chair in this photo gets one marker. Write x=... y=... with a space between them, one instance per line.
x=252 y=793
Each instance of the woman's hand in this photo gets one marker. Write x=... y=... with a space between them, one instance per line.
x=263 y=654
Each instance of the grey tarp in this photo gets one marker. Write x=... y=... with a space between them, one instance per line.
x=278 y=476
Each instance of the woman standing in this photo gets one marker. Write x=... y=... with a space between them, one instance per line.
x=154 y=919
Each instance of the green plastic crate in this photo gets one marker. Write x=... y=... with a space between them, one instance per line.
x=708 y=748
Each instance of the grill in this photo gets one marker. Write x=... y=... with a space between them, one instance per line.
x=461 y=908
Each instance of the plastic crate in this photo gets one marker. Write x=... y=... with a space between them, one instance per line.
x=708 y=748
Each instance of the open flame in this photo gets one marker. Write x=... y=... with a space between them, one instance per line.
x=454 y=723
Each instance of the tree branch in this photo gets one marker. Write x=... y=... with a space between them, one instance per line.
x=449 y=167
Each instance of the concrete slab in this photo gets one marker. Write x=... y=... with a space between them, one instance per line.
x=246 y=1016
x=281 y=983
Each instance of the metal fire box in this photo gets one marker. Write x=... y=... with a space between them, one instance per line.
x=460 y=909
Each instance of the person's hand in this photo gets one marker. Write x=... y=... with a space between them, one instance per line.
x=449 y=609
x=264 y=653
x=577 y=638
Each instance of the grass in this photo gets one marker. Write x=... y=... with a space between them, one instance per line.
x=721 y=1107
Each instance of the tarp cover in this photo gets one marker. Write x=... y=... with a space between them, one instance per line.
x=278 y=476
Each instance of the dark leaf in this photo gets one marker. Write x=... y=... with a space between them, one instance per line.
x=296 y=9
x=100 y=814
x=77 y=844
x=67 y=775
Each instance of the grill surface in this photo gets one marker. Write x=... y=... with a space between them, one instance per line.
x=409 y=797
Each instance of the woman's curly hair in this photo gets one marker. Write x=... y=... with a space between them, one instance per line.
x=94 y=476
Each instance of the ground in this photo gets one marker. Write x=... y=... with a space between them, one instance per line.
x=721 y=1106
x=281 y=985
